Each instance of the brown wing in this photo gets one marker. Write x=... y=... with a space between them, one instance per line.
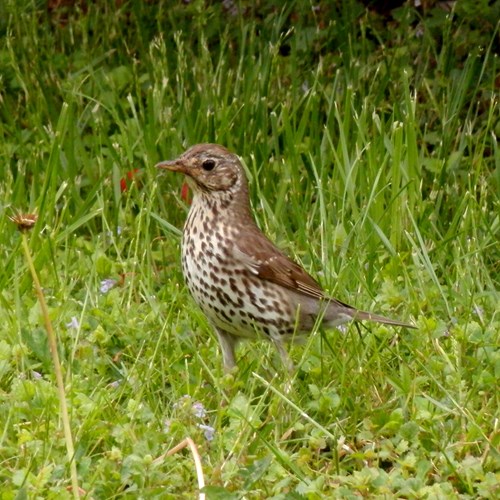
x=262 y=258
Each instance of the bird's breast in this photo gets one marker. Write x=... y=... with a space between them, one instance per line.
x=206 y=248
x=231 y=296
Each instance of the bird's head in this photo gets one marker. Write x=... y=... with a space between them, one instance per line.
x=209 y=169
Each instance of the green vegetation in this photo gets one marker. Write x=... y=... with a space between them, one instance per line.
x=371 y=141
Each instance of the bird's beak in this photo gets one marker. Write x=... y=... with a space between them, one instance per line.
x=173 y=165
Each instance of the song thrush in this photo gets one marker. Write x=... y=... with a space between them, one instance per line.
x=245 y=285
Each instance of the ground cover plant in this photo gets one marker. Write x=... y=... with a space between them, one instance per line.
x=371 y=144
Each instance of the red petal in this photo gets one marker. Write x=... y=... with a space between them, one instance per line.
x=185 y=193
x=131 y=173
x=129 y=176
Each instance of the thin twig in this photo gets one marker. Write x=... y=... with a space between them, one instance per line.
x=197 y=461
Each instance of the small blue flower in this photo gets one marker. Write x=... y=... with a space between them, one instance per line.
x=208 y=431
x=107 y=285
x=199 y=410
x=73 y=323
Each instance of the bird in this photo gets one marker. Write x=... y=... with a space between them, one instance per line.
x=244 y=284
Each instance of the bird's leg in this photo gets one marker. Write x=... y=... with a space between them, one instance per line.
x=285 y=357
x=227 y=344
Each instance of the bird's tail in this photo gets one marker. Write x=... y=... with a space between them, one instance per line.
x=337 y=313
x=363 y=315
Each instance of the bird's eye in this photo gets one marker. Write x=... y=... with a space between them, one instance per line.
x=208 y=165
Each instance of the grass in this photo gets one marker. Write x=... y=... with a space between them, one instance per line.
x=373 y=159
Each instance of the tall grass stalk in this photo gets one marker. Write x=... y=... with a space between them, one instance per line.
x=52 y=339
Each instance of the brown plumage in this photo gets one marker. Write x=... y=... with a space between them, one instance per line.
x=245 y=285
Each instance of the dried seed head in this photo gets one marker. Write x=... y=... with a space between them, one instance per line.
x=24 y=222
